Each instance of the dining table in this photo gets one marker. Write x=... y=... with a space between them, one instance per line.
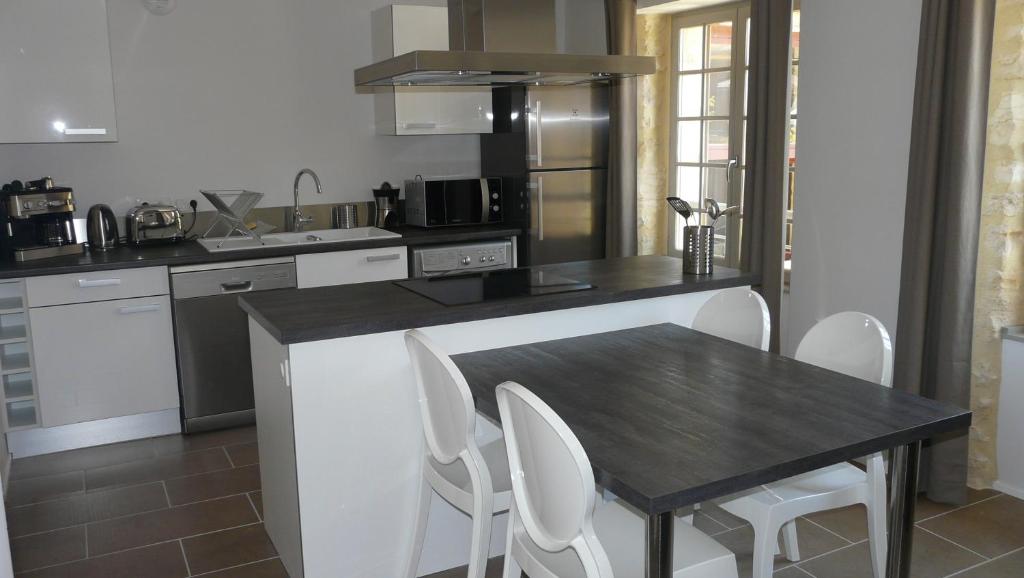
x=671 y=417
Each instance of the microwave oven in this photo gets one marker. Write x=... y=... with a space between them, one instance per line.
x=444 y=203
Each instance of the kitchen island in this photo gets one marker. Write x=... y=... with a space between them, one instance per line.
x=339 y=428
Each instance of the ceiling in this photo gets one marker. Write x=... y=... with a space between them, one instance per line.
x=671 y=6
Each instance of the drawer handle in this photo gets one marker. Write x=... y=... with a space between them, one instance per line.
x=420 y=125
x=87 y=283
x=388 y=257
x=236 y=287
x=137 y=309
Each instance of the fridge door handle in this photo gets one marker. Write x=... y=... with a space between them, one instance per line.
x=540 y=136
x=540 y=208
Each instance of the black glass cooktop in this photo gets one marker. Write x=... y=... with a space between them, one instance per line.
x=491 y=286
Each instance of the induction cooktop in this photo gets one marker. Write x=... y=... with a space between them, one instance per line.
x=491 y=286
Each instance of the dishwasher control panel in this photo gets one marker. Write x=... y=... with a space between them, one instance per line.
x=464 y=257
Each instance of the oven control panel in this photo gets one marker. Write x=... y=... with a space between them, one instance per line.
x=463 y=257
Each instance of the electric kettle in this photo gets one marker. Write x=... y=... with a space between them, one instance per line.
x=101 y=227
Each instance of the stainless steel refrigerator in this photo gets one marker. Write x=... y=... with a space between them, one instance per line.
x=551 y=147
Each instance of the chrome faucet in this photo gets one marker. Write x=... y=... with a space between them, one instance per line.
x=298 y=221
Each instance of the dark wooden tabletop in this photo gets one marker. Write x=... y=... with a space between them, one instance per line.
x=670 y=416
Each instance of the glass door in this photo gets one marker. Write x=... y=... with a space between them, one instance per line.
x=709 y=98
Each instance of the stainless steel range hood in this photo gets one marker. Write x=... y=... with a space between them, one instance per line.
x=500 y=42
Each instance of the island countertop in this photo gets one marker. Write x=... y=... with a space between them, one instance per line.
x=300 y=315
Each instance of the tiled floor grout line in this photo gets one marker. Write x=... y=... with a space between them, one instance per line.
x=837 y=535
x=823 y=554
x=958 y=508
x=104 y=555
x=987 y=561
x=184 y=556
x=85 y=538
x=253 y=504
x=802 y=570
x=236 y=566
x=227 y=455
x=167 y=495
x=143 y=512
x=945 y=539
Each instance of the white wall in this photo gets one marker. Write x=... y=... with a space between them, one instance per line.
x=858 y=63
x=1011 y=427
x=239 y=93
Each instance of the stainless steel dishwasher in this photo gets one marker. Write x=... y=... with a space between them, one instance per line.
x=211 y=333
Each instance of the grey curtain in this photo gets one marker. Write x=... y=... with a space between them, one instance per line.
x=940 y=242
x=621 y=227
x=764 y=197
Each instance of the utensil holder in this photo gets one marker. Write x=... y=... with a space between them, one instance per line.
x=698 y=249
x=345 y=216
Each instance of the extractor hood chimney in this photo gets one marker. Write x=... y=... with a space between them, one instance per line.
x=500 y=42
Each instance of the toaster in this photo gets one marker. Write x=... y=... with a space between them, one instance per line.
x=151 y=224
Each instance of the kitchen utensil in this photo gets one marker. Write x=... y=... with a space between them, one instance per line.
x=232 y=216
x=149 y=224
x=725 y=213
x=37 y=221
x=698 y=249
x=713 y=209
x=345 y=216
x=101 y=227
x=682 y=207
x=386 y=198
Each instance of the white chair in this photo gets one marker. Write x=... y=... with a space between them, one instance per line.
x=474 y=479
x=858 y=345
x=558 y=528
x=737 y=314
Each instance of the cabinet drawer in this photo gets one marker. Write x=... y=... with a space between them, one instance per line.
x=105 y=359
x=347 y=267
x=96 y=286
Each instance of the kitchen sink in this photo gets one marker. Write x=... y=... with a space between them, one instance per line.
x=222 y=244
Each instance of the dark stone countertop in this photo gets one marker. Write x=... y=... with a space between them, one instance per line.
x=192 y=253
x=300 y=315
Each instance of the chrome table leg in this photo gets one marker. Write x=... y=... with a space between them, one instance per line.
x=903 y=469
x=659 y=545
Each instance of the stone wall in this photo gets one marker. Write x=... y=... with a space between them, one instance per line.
x=653 y=122
x=999 y=292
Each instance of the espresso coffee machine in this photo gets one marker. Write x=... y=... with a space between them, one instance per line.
x=38 y=220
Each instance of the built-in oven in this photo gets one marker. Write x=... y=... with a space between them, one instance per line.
x=443 y=203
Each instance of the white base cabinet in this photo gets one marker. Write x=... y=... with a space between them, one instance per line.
x=347 y=267
x=104 y=359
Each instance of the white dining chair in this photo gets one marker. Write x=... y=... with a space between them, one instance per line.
x=736 y=314
x=557 y=526
x=854 y=344
x=475 y=479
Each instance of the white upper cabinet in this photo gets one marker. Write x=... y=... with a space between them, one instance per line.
x=399 y=29
x=55 y=65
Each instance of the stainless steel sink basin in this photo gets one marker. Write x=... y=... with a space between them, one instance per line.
x=222 y=244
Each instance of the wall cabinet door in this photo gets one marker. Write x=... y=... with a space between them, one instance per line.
x=346 y=267
x=55 y=61
x=104 y=359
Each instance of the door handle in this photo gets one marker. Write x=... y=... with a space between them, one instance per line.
x=388 y=257
x=137 y=309
x=540 y=137
x=540 y=208
x=730 y=167
x=87 y=283
x=236 y=287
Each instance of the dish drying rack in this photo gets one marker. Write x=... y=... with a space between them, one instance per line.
x=233 y=215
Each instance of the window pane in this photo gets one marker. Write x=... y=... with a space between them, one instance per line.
x=792 y=142
x=716 y=145
x=718 y=87
x=716 y=186
x=746 y=49
x=796 y=35
x=689 y=94
x=795 y=92
x=746 y=90
x=719 y=41
x=688 y=185
x=691 y=42
x=688 y=141
x=743 y=146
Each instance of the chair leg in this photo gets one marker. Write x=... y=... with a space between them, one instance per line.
x=766 y=539
x=790 y=542
x=419 y=528
x=512 y=568
x=877 y=538
x=483 y=516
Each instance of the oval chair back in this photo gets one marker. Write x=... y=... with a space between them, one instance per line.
x=739 y=315
x=851 y=343
x=553 y=486
x=446 y=404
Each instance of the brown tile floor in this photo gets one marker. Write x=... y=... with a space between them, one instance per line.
x=984 y=539
x=168 y=507
x=181 y=506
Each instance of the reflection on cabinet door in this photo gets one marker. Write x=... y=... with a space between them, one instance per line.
x=105 y=359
